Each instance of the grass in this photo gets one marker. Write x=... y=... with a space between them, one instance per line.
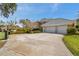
x=72 y=42
x=2 y=37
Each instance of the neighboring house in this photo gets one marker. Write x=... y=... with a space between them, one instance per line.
x=57 y=25
x=19 y=24
x=34 y=25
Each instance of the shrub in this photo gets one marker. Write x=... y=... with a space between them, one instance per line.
x=22 y=30
x=36 y=30
x=71 y=30
x=41 y=29
x=77 y=26
x=18 y=32
x=27 y=30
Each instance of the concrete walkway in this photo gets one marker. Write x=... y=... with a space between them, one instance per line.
x=35 y=45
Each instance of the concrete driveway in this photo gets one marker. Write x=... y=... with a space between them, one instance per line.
x=35 y=44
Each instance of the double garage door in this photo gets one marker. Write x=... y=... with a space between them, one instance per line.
x=56 y=29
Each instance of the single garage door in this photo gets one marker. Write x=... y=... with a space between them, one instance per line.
x=62 y=29
x=50 y=29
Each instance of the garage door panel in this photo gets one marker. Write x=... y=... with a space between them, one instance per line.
x=62 y=29
x=50 y=29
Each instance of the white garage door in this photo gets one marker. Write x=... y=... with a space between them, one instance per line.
x=49 y=29
x=54 y=29
x=62 y=29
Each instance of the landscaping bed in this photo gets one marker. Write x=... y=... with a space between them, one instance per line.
x=72 y=43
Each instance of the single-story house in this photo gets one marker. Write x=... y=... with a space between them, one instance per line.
x=34 y=25
x=57 y=26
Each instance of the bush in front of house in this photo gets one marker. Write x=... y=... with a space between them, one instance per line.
x=27 y=30
x=77 y=27
x=22 y=31
x=36 y=30
x=71 y=30
x=18 y=32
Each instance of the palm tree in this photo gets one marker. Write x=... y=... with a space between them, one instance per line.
x=7 y=8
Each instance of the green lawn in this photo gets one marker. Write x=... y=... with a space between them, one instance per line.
x=2 y=35
x=72 y=42
x=2 y=41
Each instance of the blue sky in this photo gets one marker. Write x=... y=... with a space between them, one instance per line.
x=37 y=11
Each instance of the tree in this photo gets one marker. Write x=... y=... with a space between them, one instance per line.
x=77 y=21
x=11 y=24
x=25 y=22
x=2 y=24
x=7 y=8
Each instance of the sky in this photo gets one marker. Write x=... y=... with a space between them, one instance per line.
x=37 y=11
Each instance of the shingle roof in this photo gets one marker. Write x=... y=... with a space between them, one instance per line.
x=58 y=22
